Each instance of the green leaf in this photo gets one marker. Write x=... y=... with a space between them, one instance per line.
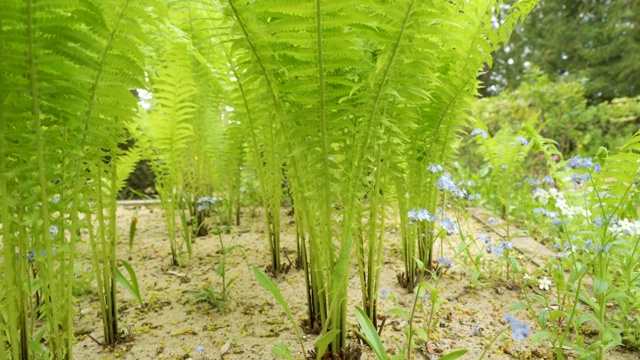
x=132 y=229
x=273 y=289
x=518 y=306
x=588 y=317
x=541 y=336
x=401 y=313
x=131 y=286
x=454 y=354
x=370 y=334
x=230 y=282
x=281 y=351
x=186 y=230
x=543 y=315
x=219 y=269
x=126 y=163
x=323 y=342
x=600 y=285
x=231 y=248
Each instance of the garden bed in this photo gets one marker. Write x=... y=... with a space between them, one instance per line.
x=173 y=325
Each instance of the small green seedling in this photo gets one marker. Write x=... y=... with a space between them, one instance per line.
x=218 y=298
x=131 y=286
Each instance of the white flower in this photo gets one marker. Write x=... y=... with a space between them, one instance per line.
x=544 y=283
x=541 y=195
x=527 y=276
x=626 y=227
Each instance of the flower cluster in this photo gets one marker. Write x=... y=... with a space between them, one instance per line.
x=434 y=168
x=602 y=249
x=31 y=255
x=566 y=209
x=545 y=212
x=449 y=225
x=522 y=141
x=444 y=262
x=580 y=179
x=497 y=248
x=537 y=182
x=519 y=330
x=578 y=162
x=384 y=293
x=419 y=215
x=445 y=183
x=624 y=226
x=540 y=195
x=205 y=202
x=53 y=231
x=476 y=132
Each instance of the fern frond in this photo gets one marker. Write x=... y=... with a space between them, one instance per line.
x=126 y=163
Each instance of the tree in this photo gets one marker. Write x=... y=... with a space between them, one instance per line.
x=581 y=39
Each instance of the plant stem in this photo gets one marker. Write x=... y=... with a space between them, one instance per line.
x=222 y=259
x=487 y=347
x=433 y=299
x=413 y=312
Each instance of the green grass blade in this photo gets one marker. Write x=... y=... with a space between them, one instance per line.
x=131 y=286
x=273 y=289
x=370 y=334
x=133 y=228
x=186 y=229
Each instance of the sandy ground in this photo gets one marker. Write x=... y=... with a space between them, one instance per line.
x=173 y=325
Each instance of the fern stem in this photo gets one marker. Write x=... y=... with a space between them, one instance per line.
x=322 y=117
x=16 y=314
x=48 y=275
x=273 y=226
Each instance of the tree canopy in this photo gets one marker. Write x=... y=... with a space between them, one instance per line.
x=594 y=40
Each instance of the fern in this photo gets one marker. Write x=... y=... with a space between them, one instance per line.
x=353 y=99
x=166 y=132
x=349 y=86
x=59 y=121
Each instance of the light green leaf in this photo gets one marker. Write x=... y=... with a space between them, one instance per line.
x=401 y=313
x=131 y=286
x=132 y=229
x=600 y=285
x=454 y=354
x=518 y=306
x=323 y=342
x=281 y=351
x=541 y=336
x=273 y=289
x=370 y=334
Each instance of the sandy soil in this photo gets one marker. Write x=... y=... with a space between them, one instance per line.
x=173 y=325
